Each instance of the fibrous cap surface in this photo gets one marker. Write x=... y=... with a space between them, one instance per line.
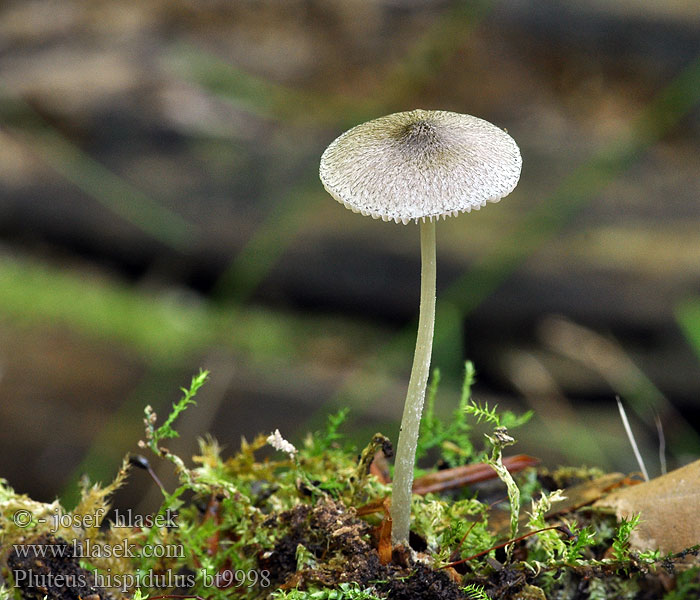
x=420 y=164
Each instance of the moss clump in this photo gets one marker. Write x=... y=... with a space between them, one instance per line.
x=312 y=522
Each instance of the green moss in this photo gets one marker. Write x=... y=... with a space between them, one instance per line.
x=247 y=523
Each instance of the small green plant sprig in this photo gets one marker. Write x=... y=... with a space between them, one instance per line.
x=576 y=545
x=330 y=438
x=500 y=439
x=448 y=527
x=344 y=591
x=154 y=435
x=451 y=437
x=621 y=542
x=475 y=592
x=550 y=541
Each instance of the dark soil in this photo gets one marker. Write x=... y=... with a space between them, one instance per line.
x=50 y=570
x=338 y=541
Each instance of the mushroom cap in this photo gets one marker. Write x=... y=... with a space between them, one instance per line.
x=420 y=164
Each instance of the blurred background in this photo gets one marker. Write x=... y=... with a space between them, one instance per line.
x=160 y=212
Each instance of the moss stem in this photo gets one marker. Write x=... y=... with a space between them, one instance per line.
x=415 y=396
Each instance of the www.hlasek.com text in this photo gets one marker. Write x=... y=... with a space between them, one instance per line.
x=90 y=549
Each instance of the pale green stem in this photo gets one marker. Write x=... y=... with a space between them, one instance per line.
x=410 y=422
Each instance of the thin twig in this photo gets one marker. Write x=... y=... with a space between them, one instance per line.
x=662 y=443
x=561 y=528
x=630 y=436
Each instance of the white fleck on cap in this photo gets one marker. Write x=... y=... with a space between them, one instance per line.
x=420 y=164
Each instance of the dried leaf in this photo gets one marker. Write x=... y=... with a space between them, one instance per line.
x=669 y=506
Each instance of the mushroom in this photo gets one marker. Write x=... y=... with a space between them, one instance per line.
x=419 y=166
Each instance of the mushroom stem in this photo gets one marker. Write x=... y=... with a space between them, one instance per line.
x=415 y=396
